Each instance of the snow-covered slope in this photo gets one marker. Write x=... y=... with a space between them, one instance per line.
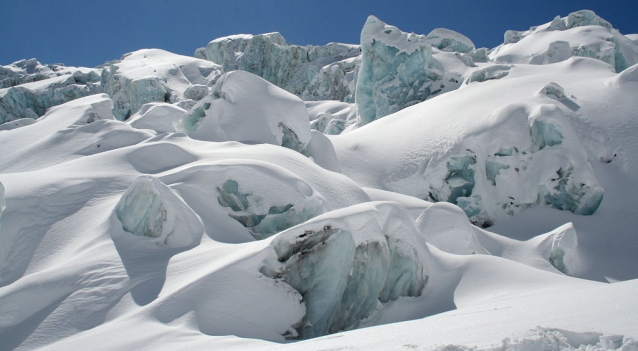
x=179 y=203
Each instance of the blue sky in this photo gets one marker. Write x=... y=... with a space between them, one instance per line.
x=90 y=32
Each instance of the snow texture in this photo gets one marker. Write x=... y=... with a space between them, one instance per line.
x=244 y=107
x=582 y=33
x=168 y=202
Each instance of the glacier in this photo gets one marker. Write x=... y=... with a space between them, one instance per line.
x=312 y=72
x=261 y=194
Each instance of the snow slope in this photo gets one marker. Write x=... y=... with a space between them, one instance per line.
x=190 y=204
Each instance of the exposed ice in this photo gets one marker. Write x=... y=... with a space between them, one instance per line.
x=153 y=75
x=581 y=33
x=243 y=107
x=32 y=100
x=312 y=72
x=397 y=70
x=544 y=151
x=258 y=198
x=154 y=211
x=345 y=262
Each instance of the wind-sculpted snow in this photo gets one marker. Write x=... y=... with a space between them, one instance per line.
x=448 y=228
x=244 y=107
x=397 y=70
x=154 y=75
x=312 y=72
x=271 y=219
x=345 y=262
x=582 y=33
x=158 y=116
x=249 y=196
x=449 y=40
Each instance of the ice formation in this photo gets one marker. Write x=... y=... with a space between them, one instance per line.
x=345 y=262
x=582 y=33
x=29 y=88
x=244 y=107
x=154 y=75
x=261 y=197
x=397 y=70
x=559 y=247
x=449 y=40
x=312 y=72
x=151 y=210
x=118 y=221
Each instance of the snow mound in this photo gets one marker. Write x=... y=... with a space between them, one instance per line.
x=261 y=197
x=345 y=262
x=158 y=116
x=153 y=75
x=331 y=117
x=321 y=151
x=582 y=33
x=449 y=40
x=446 y=226
x=559 y=247
x=243 y=107
x=151 y=210
x=16 y=123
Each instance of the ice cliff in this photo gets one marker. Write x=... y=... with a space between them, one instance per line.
x=347 y=262
x=311 y=72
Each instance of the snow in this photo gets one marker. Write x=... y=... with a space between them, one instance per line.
x=244 y=107
x=582 y=33
x=179 y=203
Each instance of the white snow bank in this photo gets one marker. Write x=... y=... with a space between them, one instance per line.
x=582 y=33
x=235 y=197
x=158 y=116
x=244 y=107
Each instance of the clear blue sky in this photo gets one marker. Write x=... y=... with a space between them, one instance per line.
x=90 y=32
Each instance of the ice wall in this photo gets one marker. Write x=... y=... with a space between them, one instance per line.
x=28 y=88
x=153 y=75
x=346 y=262
x=397 y=70
x=314 y=72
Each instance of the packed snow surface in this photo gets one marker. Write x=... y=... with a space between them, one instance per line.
x=409 y=192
